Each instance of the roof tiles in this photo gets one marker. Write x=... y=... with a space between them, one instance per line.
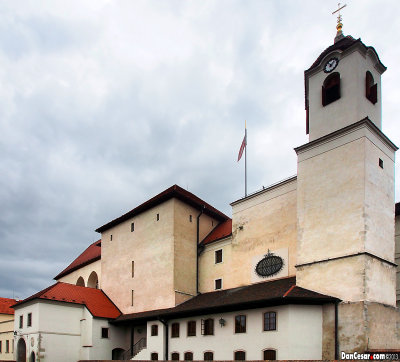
x=221 y=231
x=5 y=305
x=95 y=300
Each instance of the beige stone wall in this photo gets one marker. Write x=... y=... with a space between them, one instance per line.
x=397 y=256
x=262 y=222
x=7 y=334
x=353 y=105
x=151 y=247
x=209 y=271
x=328 y=332
x=83 y=272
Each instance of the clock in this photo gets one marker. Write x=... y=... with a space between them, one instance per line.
x=331 y=64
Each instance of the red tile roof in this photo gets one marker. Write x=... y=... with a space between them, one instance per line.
x=271 y=293
x=172 y=192
x=90 y=255
x=219 y=232
x=5 y=304
x=95 y=300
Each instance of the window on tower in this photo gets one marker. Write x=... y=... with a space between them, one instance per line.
x=331 y=89
x=371 y=89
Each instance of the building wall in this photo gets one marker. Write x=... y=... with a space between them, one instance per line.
x=83 y=272
x=298 y=335
x=353 y=106
x=261 y=223
x=7 y=334
x=397 y=257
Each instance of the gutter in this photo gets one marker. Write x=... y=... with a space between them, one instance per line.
x=336 y=330
x=198 y=249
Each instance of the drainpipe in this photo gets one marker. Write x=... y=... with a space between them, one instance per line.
x=165 y=322
x=197 y=249
x=336 y=330
x=132 y=339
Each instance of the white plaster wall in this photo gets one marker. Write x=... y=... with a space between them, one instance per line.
x=397 y=260
x=353 y=105
x=298 y=335
x=154 y=343
x=83 y=272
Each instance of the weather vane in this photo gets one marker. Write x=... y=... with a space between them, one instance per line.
x=339 y=25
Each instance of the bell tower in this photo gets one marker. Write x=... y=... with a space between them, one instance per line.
x=345 y=195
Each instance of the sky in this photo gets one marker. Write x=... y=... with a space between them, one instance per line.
x=104 y=104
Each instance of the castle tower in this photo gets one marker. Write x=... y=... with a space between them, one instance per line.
x=345 y=202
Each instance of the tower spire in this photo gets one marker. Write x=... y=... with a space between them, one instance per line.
x=339 y=26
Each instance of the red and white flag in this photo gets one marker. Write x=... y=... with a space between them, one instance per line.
x=242 y=147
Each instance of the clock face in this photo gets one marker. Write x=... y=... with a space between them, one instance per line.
x=331 y=64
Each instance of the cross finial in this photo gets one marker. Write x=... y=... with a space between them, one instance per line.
x=339 y=26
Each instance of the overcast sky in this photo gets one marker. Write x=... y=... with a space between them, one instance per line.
x=104 y=104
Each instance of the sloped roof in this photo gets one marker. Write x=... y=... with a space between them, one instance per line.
x=95 y=300
x=173 y=192
x=5 y=305
x=271 y=293
x=221 y=231
x=90 y=255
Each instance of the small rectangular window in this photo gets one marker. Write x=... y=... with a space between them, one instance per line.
x=158 y=217
x=29 y=320
x=207 y=327
x=190 y=218
x=132 y=227
x=380 y=163
x=154 y=356
x=104 y=332
x=191 y=328
x=21 y=321
x=154 y=330
x=133 y=268
x=175 y=330
x=239 y=356
x=1 y=346
x=218 y=256
x=218 y=284
x=270 y=321
x=240 y=324
x=7 y=346
x=111 y=237
x=132 y=295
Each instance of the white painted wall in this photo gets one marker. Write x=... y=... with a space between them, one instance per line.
x=298 y=335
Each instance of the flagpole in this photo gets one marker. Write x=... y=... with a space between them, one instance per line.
x=245 y=160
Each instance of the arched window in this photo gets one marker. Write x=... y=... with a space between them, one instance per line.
x=208 y=356
x=371 y=89
x=93 y=281
x=331 y=89
x=188 y=356
x=21 y=350
x=154 y=356
x=269 y=355
x=175 y=356
x=80 y=282
x=239 y=356
x=32 y=358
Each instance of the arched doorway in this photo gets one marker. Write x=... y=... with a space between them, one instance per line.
x=117 y=354
x=93 y=281
x=21 y=350
x=32 y=359
x=80 y=282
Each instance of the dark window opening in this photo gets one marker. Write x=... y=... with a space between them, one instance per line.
x=104 y=333
x=111 y=237
x=208 y=356
x=331 y=89
x=191 y=328
x=154 y=356
x=380 y=163
x=371 y=89
x=21 y=321
x=269 y=355
x=270 y=321
x=190 y=218
x=240 y=324
x=133 y=268
x=29 y=320
x=175 y=330
x=218 y=284
x=132 y=227
x=240 y=356
x=175 y=356
x=207 y=327
x=154 y=330
x=158 y=217
x=218 y=256
x=188 y=356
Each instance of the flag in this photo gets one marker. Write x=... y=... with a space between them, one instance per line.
x=242 y=148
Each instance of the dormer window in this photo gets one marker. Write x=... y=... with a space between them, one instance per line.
x=331 y=89
x=371 y=89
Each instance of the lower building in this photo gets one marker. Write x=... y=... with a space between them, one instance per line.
x=6 y=329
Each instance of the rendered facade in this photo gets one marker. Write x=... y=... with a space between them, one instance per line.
x=6 y=329
x=305 y=269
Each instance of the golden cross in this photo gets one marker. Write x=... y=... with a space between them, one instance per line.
x=339 y=18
